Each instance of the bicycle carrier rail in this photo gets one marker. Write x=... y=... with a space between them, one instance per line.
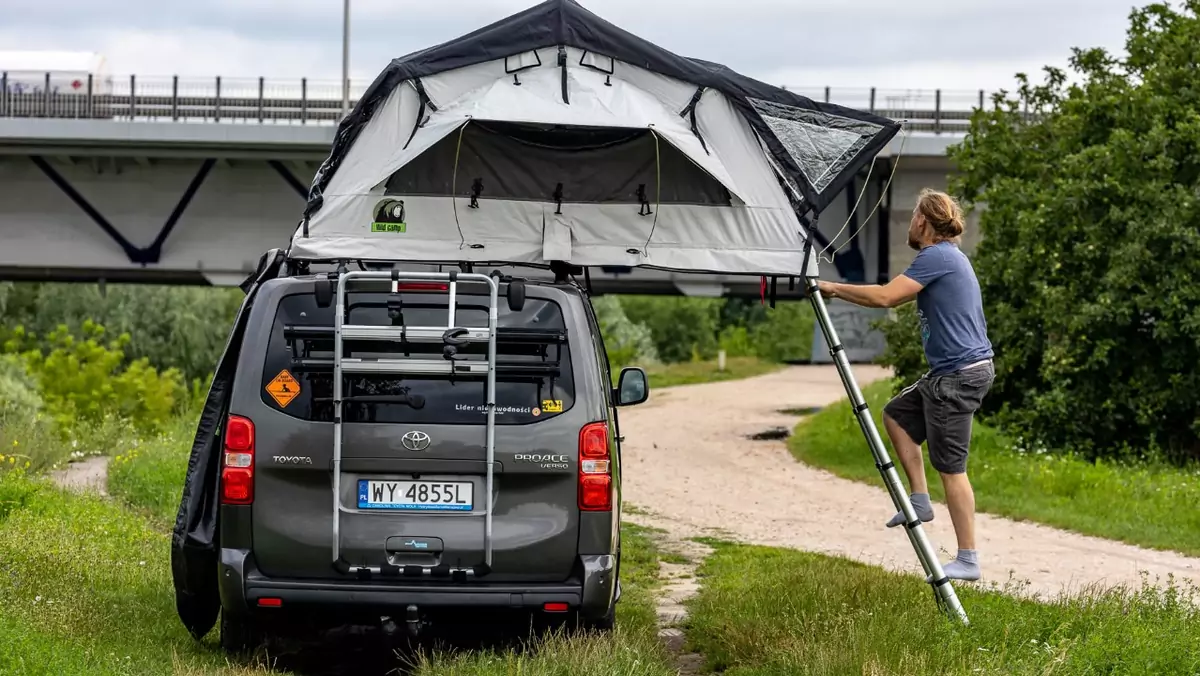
x=452 y=363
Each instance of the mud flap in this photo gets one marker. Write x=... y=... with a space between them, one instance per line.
x=194 y=539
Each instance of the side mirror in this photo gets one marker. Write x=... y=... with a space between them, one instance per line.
x=633 y=387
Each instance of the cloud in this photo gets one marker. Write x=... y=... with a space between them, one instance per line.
x=914 y=43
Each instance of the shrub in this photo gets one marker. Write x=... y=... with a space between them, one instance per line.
x=684 y=329
x=181 y=327
x=19 y=398
x=627 y=342
x=1091 y=243
x=735 y=340
x=82 y=380
x=904 y=352
x=786 y=333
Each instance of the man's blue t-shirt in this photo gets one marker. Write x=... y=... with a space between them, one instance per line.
x=953 y=329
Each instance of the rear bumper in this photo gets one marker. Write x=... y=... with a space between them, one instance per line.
x=591 y=590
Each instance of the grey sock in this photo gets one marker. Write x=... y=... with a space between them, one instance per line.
x=965 y=566
x=921 y=504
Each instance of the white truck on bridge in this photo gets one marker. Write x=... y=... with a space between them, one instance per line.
x=27 y=72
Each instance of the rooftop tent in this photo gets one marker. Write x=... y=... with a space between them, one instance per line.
x=554 y=135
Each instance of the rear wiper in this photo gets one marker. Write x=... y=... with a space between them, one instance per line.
x=416 y=401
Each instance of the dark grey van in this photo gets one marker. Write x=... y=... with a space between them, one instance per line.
x=413 y=537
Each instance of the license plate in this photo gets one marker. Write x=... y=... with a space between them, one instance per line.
x=428 y=496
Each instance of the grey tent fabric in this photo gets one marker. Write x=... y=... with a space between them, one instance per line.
x=567 y=23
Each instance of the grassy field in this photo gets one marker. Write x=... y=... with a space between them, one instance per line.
x=767 y=612
x=694 y=373
x=88 y=589
x=91 y=592
x=1142 y=505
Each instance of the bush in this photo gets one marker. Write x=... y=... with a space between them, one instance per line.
x=19 y=399
x=82 y=380
x=684 y=329
x=735 y=340
x=1091 y=243
x=786 y=333
x=904 y=352
x=627 y=342
x=180 y=327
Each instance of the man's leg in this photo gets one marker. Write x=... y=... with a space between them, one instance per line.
x=953 y=402
x=961 y=501
x=904 y=421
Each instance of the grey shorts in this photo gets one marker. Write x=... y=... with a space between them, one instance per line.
x=939 y=409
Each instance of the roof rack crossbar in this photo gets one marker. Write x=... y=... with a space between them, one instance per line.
x=504 y=335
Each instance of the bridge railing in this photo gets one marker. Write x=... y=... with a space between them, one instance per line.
x=276 y=101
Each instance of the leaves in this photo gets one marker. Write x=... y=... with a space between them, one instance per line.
x=1091 y=242
x=87 y=379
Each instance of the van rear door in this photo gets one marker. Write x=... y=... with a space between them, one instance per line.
x=414 y=446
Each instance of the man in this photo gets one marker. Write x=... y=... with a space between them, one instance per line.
x=938 y=408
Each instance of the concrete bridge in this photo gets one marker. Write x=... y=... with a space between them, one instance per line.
x=175 y=181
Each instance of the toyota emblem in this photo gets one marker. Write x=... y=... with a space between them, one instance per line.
x=415 y=441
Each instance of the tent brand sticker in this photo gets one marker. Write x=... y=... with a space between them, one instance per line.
x=552 y=406
x=283 y=388
x=389 y=217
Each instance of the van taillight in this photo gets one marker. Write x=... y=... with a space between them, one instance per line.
x=237 y=468
x=595 y=480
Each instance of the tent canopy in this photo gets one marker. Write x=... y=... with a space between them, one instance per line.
x=553 y=135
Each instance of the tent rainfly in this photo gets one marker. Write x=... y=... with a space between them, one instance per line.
x=554 y=135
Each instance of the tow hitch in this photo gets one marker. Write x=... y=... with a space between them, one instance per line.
x=413 y=619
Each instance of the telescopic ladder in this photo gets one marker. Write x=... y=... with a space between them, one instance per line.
x=452 y=337
x=943 y=591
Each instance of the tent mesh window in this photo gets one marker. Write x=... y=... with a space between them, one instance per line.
x=520 y=161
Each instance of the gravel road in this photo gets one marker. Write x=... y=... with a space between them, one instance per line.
x=688 y=461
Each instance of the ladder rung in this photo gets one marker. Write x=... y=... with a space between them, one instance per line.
x=416 y=334
x=412 y=366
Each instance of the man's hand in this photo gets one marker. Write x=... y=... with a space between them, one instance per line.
x=828 y=289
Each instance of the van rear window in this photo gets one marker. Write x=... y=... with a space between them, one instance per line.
x=533 y=380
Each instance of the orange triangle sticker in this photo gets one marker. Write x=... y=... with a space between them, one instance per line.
x=283 y=388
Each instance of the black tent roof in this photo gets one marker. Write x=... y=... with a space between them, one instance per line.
x=783 y=119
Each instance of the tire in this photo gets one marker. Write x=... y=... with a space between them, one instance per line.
x=602 y=624
x=240 y=635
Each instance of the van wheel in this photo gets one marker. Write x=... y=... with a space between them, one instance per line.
x=603 y=624
x=239 y=634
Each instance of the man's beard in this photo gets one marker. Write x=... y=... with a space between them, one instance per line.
x=913 y=243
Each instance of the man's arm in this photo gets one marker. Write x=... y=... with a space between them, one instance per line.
x=900 y=290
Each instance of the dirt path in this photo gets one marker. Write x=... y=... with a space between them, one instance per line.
x=689 y=462
x=86 y=475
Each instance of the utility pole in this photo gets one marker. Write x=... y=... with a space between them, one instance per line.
x=345 y=58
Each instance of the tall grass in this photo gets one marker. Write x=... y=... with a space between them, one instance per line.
x=87 y=588
x=771 y=611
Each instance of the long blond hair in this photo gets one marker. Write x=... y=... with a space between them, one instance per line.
x=942 y=213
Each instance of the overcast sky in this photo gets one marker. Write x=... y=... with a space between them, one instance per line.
x=890 y=44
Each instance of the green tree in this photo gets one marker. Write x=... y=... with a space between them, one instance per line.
x=178 y=327
x=627 y=343
x=904 y=351
x=786 y=333
x=683 y=328
x=1090 y=257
